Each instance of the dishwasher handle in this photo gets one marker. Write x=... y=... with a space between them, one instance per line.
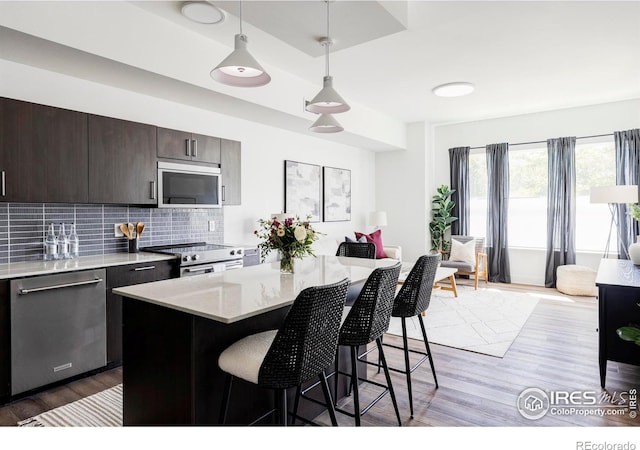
x=59 y=286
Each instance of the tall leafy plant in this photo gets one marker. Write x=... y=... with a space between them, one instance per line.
x=441 y=218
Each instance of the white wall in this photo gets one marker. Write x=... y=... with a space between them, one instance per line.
x=402 y=190
x=527 y=265
x=264 y=148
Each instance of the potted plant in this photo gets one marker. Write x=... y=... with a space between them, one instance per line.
x=630 y=333
x=634 y=248
x=291 y=237
x=441 y=218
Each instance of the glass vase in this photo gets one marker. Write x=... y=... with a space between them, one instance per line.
x=286 y=262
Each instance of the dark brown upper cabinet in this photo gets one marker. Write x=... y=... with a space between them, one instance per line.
x=176 y=144
x=43 y=153
x=122 y=162
x=230 y=160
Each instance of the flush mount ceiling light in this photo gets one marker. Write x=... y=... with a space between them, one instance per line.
x=326 y=123
x=240 y=68
x=456 y=89
x=328 y=101
x=202 y=12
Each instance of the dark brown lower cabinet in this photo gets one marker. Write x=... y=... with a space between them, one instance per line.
x=171 y=374
x=118 y=276
x=5 y=342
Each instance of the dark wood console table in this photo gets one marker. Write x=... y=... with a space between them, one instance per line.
x=618 y=284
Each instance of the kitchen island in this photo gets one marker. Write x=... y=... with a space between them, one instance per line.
x=174 y=331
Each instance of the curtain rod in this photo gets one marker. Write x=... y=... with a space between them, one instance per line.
x=544 y=142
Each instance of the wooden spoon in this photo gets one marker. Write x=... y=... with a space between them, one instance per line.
x=131 y=230
x=125 y=230
x=139 y=228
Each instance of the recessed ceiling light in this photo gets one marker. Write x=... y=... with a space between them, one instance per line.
x=202 y=12
x=455 y=89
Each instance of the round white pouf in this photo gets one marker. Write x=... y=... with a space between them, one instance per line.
x=576 y=280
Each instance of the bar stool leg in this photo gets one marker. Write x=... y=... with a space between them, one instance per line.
x=327 y=398
x=336 y=374
x=226 y=395
x=281 y=406
x=407 y=363
x=354 y=384
x=388 y=377
x=296 y=403
x=426 y=345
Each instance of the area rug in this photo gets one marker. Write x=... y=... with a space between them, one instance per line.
x=484 y=321
x=103 y=409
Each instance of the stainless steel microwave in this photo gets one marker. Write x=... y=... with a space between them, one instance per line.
x=188 y=186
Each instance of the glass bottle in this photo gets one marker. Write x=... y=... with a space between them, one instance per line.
x=74 y=242
x=63 y=243
x=51 y=245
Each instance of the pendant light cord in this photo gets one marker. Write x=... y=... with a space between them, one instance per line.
x=328 y=43
x=241 y=17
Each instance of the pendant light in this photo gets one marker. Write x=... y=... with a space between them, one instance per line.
x=328 y=101
x=240 y=68
x=326 y=123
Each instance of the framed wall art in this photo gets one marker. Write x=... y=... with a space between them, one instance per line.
x=302 y=189
x=337 y=194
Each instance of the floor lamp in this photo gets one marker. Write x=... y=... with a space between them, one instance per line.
x=613 y=195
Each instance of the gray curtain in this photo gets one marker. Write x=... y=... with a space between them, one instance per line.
x=561 y=206
x=627 y=172
x=497 y=212
x=459 y=176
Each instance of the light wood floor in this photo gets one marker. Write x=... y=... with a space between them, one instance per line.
x=556 y=350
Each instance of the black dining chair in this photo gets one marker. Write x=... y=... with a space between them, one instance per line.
x=363 y=323
x=300 y=350
x=412 y=300
x=357 y=250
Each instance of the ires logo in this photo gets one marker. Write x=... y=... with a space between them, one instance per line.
x=534 y=403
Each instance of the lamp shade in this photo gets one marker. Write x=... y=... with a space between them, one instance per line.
x=627 y=193
x=327 y=101
x=326 y=123
x=240 y=68
x=378 y=219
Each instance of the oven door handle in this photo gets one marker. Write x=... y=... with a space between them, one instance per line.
x=198 y=269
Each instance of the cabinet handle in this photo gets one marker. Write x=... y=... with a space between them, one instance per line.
x=3 y=184
x=140 y=269
x=194 y=151
x=188 y=147
x=153 y=190
x=223 y=192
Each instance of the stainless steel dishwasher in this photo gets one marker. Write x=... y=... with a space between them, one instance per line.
x=58 y=327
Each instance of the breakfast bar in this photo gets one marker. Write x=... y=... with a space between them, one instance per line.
x=174 y=331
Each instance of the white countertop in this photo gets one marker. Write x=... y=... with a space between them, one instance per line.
x=234 y=295
x=32 y=268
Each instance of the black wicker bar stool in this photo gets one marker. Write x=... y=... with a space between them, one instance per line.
x=300 y=350
x=363 y=323
x=365 y=250
x=411 y=301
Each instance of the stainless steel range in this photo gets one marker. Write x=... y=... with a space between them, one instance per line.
x=197 y=258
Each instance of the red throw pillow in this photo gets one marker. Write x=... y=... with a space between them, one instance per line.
x=376 y=238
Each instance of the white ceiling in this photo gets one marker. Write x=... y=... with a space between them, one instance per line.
x=522 y=56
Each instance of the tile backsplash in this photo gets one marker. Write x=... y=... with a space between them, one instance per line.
x=23 y=227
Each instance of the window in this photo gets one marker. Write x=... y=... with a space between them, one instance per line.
x=595 y=166
x=478 y=193
x=528 y=184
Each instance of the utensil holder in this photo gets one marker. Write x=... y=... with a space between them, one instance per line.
x=133 y=246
